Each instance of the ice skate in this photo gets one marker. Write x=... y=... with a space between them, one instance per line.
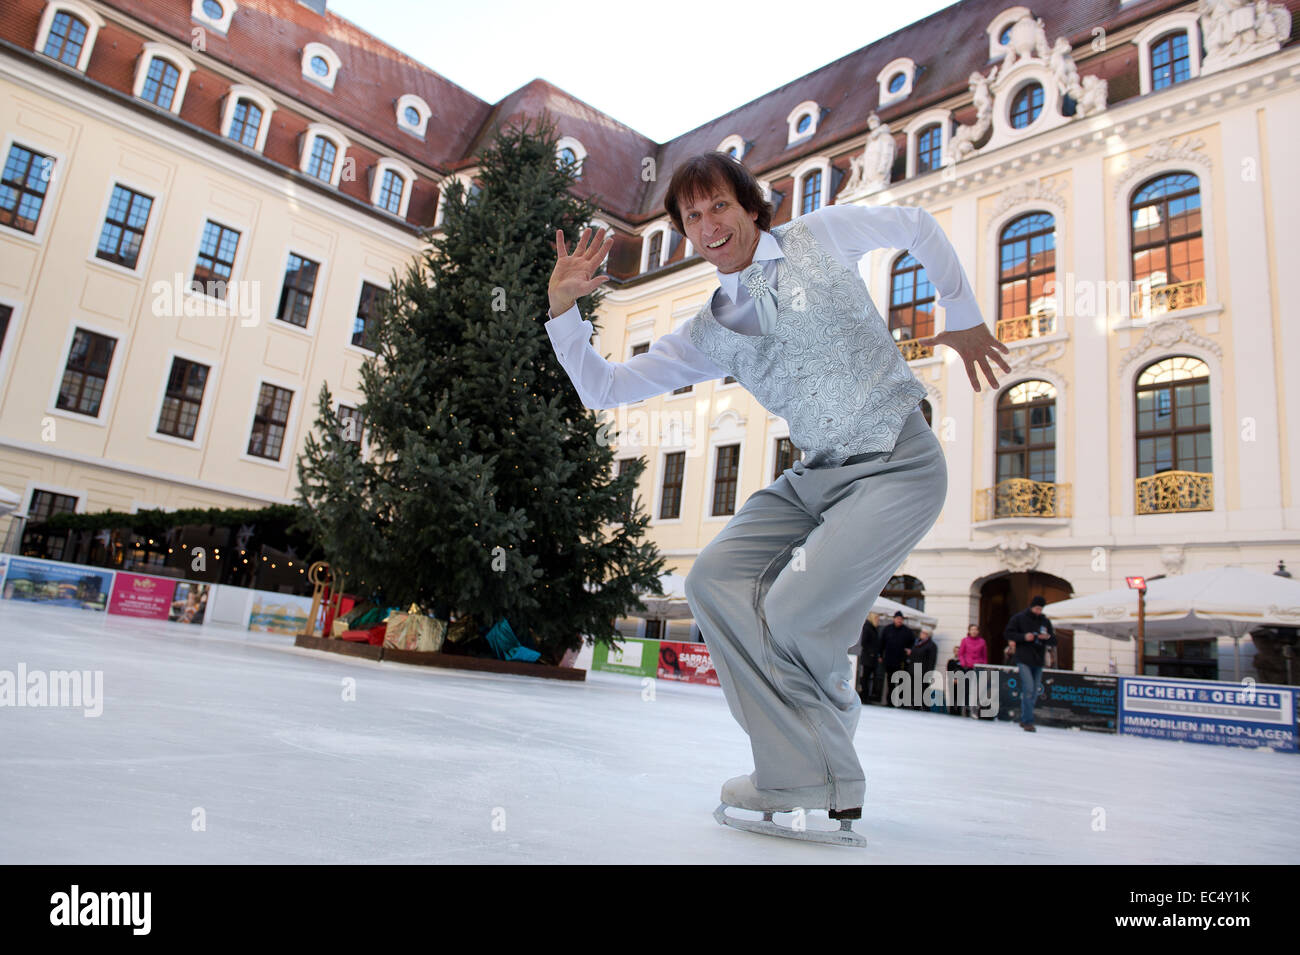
x=740 y=793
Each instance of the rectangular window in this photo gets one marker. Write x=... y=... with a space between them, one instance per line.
x=321 y=164
x=725 y=470
x=299 y=286
x=371 y=300
x=786 y=455
x=270 y=422
x=729 y=380
x=246 y=123
x=6 y=313
x=86 y=373
x=23 y=183
x=670 y=499
x=216 y=260
x=350 y=425
x=66 y=39
x=124 y=227
x=184 y=398
x=621 y=466
x=45 y=504
x=160 y=85
x=390 y=193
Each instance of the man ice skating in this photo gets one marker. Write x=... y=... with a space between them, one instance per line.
x=1032 y=633
x=793 y=322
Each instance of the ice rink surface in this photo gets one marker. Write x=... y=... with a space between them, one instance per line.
x=430 y=765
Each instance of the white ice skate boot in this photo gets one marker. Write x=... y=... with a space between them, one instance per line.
x=741 y=793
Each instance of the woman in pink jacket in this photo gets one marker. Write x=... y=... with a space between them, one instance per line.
x=970 y=651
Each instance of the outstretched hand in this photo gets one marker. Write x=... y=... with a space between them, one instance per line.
x=975 y=345
x=572 y=276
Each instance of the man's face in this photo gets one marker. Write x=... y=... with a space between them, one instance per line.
x=720 y=218
x=1037 y=610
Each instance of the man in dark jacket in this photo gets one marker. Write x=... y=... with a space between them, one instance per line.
x=896 y=643
x=1032 y=633
x=868 y=659
x=924 y=659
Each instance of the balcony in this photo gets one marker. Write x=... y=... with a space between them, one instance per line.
x=912 y=349
x=1152 y=302
x=1021 y=497
x=1172 y=491
x=1026 y=326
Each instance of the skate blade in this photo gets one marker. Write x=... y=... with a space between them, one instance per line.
x=844 y=836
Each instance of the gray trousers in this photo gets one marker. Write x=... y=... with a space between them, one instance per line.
x=780 y=595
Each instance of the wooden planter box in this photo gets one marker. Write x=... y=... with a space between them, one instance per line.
x=446 y=660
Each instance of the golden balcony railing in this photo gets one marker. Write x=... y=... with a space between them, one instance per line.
x=912 y=349
x=1026 y=326
x=1021 y=497
x=1150 y=302
x=1172 y=491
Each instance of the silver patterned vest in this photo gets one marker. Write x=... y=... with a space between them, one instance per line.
x=830 y=367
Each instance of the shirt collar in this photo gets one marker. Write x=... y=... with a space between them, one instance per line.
x=768 y=248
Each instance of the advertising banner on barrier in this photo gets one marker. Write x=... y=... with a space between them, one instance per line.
x=687 y=662
x=279 y=613
x=1066 y=698
x=633 y=656
x=137 y=595
x=56 y=583
x=1205 y=711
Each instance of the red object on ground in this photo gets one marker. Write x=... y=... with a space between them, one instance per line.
x=373 y=635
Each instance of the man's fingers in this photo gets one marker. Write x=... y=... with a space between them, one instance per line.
x=559 y=242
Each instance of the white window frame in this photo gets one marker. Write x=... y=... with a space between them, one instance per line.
x=943 y=118
x=387 y=164
x=568 y=142
x=999 y=23
x=15 y=324
x=290 y=443
x=727 y=428
x=106 y=403
x=807 y=107
x=341 y=146
x=205 y=408
x=38 y=485
x=169 y=54
x=370 y=278
x=733 y=140
x=1184 y=22
x=661 y=227
x=146 y=243
x=804 y=169
x=660 y=474
x=364 y=442
x=904 y=65
x=236 y=270
x=258 y=99
x=313 y=50
x=92 y=20
x=34 y=144
x=272 y=310
x=465 y=179
x=222 y=25
x=420 y=106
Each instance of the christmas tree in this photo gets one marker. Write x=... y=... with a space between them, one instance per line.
x=484 y=488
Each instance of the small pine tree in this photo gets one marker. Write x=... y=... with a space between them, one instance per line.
x=487 y=488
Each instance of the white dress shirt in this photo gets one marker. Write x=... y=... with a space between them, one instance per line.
x=847 y=232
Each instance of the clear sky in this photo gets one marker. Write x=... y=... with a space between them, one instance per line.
x=662 y=67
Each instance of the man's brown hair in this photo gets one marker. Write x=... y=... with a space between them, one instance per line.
x=702 y=174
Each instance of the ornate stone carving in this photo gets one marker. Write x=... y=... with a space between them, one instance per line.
x=963 y=140
x=1237 y=31
x=870 y=171
x=1036 y=191
x=1172 y=557
x=1015 y=553
x=1163 y=335
x=1162 y=151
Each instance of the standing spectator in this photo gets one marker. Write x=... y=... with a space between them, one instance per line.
x=896 y=642
x=1032 y=633
x=925 y=660
x=868 y=659
x=970 y=652
x=954 y=667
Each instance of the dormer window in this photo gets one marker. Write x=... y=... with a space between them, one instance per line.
x=320 y=64
x=413 y=114
x=802 y=121
x=390 y=187
x=733 y=146
x=213 y=13
x=1169 y=51
x=322 y=153
x=653 y=245
x=67 y=33
x=896 y=80
x=999 y=30
x=246 y=116
x=161 y=76
x=569 y=151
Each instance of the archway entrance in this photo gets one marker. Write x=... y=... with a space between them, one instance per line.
x=1004 y=595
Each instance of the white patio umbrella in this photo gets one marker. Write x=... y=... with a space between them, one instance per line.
x=1224 y=601
x=9 y=501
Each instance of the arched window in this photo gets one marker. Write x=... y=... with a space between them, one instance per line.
x=1170 y=60
x=245 y=116
x=654 y=256
x=1027 y=432
x=390 y=186
x=927 y=411
x=929 y=148
x=1168 y=257
x=1173 y=417
x=1026 y=264
x=66 y=32
x=245 y=123
x=67 y=38
x=911 y=303
x=1027 y=105
x=161 y=76
x=323 y=151
x=160 y=83
x=906 y=590
x=811 y=194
